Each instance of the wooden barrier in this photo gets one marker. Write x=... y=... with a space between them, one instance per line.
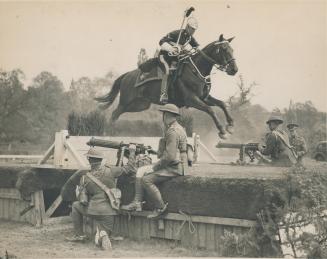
x=190 y=231
x=14 y=208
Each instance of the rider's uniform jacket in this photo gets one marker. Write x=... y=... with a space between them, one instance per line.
x=173 y=158
x=172 y=38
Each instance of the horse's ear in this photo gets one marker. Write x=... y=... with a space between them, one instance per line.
x=221 y=37
x=230 y=39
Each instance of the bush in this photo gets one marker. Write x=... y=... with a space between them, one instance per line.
x=90 y=124
x=298 y=208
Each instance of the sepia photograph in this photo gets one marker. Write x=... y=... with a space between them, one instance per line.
x=163 y=128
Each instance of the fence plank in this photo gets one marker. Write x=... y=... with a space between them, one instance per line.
x=210 y=237
x=169 y=229
x=201 y=233
x=1 y=208
x=5 y=209
x=218 y=236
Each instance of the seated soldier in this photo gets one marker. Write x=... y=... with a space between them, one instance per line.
x=277 y=144
x=170 y=50
x=97 y=205
x=172 y=163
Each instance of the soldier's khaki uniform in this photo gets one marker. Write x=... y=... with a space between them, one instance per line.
x=276 y=148
x=300 y=147
x=99 y=207
x=171 y=164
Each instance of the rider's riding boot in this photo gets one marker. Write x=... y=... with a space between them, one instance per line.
x=164 y=89
x=136 y=204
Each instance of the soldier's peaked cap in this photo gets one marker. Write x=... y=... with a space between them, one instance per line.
x=292 y=125
x=94 y=153
x=276 y=118
x=169 y=107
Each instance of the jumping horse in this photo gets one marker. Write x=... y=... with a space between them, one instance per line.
x=190 y=88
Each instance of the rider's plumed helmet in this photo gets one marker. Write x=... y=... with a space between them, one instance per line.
x=192 y=22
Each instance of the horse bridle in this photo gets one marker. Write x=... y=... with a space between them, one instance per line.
x=222 y=67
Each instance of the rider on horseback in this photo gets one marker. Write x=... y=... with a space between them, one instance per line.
x=171 y=45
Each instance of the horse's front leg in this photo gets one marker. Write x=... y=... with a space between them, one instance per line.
x=191 y=100
x=215 y=102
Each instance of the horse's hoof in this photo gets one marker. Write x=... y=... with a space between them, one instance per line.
x=222 y=135
x=230 y=129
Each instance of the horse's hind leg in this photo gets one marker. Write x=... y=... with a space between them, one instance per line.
x=215 y=102
x=194 y=101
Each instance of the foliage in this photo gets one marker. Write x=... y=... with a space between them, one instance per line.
x=240 y=245
x=298 y=208
x=90 y=124
x=47 y=107
x=12 y=105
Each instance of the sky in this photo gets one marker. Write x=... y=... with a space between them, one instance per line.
x=280 y=45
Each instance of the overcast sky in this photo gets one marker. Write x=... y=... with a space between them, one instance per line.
x=281 y=45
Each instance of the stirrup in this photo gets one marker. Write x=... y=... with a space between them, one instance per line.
x=163 y=99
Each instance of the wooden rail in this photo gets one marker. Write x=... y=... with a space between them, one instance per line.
x=21 y=157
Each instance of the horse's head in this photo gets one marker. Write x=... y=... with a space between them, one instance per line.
x=222 y=53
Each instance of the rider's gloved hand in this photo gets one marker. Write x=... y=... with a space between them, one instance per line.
x=176 y=50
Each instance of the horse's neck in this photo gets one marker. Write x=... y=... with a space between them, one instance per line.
x=202 y=64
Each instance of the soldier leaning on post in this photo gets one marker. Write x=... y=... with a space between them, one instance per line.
x=97 y=205
x=277 y=144
x=297 y=142
x=173 y=160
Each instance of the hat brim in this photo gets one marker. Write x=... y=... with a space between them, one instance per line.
x=292 y=126
x=88 y=156
x=164 y=110
x=279 y=121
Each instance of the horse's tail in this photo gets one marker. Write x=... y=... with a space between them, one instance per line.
x=109 y=98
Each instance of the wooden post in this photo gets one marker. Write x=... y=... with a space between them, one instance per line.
x=39 y=211
x=196 y=139
x=59 y=148
x=75 y=154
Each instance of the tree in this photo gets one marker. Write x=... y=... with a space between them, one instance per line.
x=48 y=106
x=12 y=104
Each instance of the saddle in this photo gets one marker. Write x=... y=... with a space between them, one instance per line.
x=150 y=70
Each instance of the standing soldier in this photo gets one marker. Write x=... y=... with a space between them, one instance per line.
x=277 y=144
x=297 y=142
x=173 y=160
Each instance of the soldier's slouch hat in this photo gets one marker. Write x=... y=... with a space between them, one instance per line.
x=276 y=118
x=169 y=107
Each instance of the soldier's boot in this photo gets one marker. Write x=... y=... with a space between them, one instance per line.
x=157 y=213
x=105 y=240
x=164 y=89
x=136 y=204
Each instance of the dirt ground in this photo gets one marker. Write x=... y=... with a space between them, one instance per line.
x=25 y=241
